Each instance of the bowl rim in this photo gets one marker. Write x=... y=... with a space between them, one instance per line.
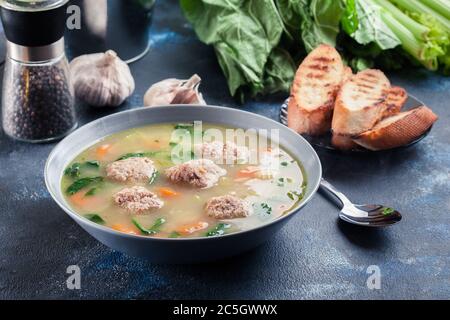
x=82 y=220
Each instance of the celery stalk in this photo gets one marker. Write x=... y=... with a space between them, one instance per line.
x=443 y=7
x=409 y=42
x=418 y=7
x=420 y=31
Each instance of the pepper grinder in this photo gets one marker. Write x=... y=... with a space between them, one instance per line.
x=37 y=97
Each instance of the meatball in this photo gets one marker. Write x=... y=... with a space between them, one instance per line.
x=137 y=200
x=131 y=170
x=220 y=152
x=227 y=207
x=200 y=173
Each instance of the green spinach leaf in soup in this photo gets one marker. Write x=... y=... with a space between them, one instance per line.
x=154 y=229
x=95 y=218
x=74 y=170
x=82 y=183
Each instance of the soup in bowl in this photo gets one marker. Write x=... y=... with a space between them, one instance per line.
x=159 y=182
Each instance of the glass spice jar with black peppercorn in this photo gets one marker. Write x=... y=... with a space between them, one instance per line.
x=37 y=97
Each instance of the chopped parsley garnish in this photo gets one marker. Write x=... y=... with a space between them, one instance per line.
x=387 y=211
x=218 y=230
x=267 y=208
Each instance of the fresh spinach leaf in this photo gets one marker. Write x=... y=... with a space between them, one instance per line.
x=320 y=22
x=349 y=19
x=174 y=235
x=372 y=28
x=82 y=183
x=74 y=170
x=93 y=163
x=148 y=154
x=94 y=218
x=133 y=155
x=244 y=34
x=154 y=229
x=91 y=192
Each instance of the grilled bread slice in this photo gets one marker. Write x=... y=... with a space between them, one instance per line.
x=398 y=130
x=342 y=142
x=348 y=73
x=395 y=100
x=314 y=90
x=360 y=103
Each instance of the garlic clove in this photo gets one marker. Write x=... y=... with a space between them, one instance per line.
x=174 y=91
x=101 y=79
x=161 y=93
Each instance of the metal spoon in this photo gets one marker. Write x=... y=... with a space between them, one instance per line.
x=367 y=215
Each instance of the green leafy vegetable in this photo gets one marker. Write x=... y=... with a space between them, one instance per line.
x=244 y=34
x=387 y=211
x=349 y=19
x=149 y=154
x=93 y=163
x=134 y=155
x=74 y=170
x=154 y=229
x=91 y=192
x=371 y=27
x=218 y=230
x=94 y=218
x=321 y=20
x=153 y=177
x=267 y=208
x=258 y=43
x=295 y=196
x=82 y=183
x=174 y=234
x=422 y=8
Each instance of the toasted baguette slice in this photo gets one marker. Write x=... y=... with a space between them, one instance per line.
x=314 y=90
x=343 y=142
x=360 y=103
x=395 y=100
x=348 y=73
x=398 y=130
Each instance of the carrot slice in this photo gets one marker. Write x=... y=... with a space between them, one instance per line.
x=78 y=199
x=122 y=228
x=249 y=172
x=102 y=150
x=167 y=192
x=91 y=203
x=192 y=227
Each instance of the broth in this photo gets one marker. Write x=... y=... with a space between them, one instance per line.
x=270 y=194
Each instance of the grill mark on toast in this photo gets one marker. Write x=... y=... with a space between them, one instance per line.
x=323 y=59
x=316 y=75
x=318 y=66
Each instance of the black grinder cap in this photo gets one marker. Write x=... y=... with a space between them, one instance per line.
x=34 y=24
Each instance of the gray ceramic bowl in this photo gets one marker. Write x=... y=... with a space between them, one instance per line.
x=191 y=250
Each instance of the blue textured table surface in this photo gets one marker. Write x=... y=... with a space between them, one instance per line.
x=314 y=256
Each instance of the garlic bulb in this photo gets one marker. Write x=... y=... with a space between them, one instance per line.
x=174 y=91
x=101 y=79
